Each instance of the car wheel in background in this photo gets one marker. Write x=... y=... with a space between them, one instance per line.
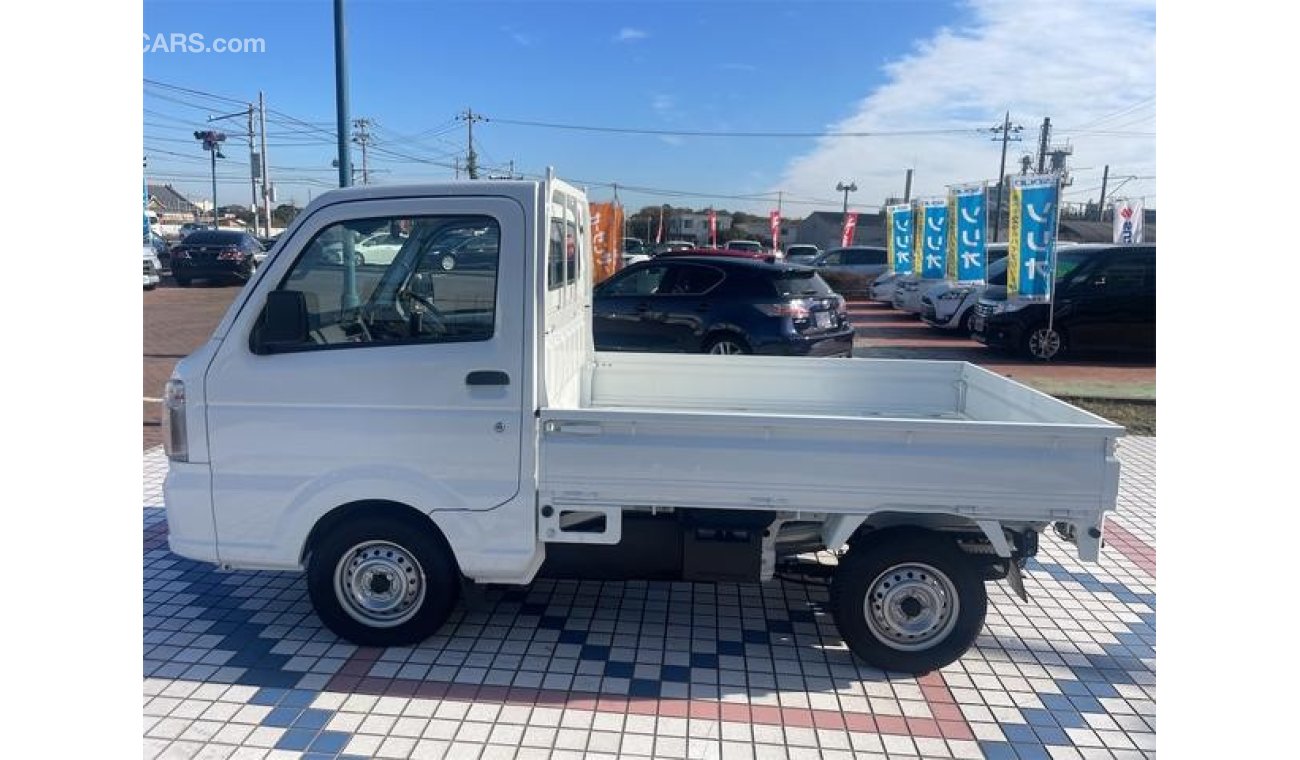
x=1044 y=343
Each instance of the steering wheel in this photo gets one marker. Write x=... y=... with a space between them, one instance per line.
x=431 y=314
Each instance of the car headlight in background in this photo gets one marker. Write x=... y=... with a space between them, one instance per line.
x=1006 y=307
x=175 y=436
x=956 y=294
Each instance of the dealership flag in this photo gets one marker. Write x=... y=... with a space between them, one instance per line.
x=713 y=228
x=1031 y=240
x=850 y=224
x=934 y=234
x=776 y=230
x=968 y=250
x=1128 y=221
x=918 y=238
x=899 y=239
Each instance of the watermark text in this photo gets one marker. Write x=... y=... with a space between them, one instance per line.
x=195 y=42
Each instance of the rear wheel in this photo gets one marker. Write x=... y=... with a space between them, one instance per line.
x=726 y=345
x=908 y=603
x=383 y=581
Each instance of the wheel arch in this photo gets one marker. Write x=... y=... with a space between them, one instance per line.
x=381 y=508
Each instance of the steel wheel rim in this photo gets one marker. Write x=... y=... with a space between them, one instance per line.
x=911 y=607
x=379 y=584
x=447 y=263
x=1044 y=343
x=725 y=348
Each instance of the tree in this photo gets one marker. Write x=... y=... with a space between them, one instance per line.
x=284 y=214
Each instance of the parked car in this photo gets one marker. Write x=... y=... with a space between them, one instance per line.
x=160 y=249
x=882 y=288
x=1105 y=300
x=908 y=291
x=851 y=270
x=672 y=245
x=189 y=227
x=769 y=258
x=216 y=254
x=951 y=305
x=801 y=253
x=751 y=246
x=721 y=304
x=151 y=267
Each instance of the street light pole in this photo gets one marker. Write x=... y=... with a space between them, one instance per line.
x=341 y=95
x=852 y=187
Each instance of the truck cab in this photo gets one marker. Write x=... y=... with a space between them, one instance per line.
x=397 y=428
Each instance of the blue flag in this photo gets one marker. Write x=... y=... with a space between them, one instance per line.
x=934 y=243
x=900 y=238
x=1031 y=244
x=969 y=240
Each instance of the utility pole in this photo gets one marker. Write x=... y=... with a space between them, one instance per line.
x=252 y=156
x=456 y=165
x=341 y=96
x=266 y=181
x=1007 y=130
x=361 y=136
x=471 y=158
x=1043 y=136
x=1101 y=202
x=212 y=140
x=907 y=188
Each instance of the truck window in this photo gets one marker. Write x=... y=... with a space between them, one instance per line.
x=555 y=256
x=435 y=283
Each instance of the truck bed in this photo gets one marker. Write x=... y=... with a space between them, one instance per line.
x=834 y=436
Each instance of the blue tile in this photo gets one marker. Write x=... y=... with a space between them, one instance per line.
x=1056 y=701
x=1018 y=733
x=1072 y=688
x=1087 y=704
x=313 y=719
x=997 y=751
x=675 y=673
x=755 y=637
x=1031 y=752
x=1053 y=736
x=552 y=622
x=1102 y=690
x=619 y=669
x=331 y=742
x=641 y=687
x=1037 y=717
x=780 y=626
x=704 y=661
x=268 y=696
x=573 y=637
x=731 y=648
x=282 y=717
x=591 y=652
x=1069 y=719
x=296 y=738
x=298 y=698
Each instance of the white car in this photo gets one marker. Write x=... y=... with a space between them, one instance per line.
x=151 y=268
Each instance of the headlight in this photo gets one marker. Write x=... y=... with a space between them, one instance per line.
x=1004 y=307
x=175 y=438
x=956 y=294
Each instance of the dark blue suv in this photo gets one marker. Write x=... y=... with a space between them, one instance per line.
x=717 y=305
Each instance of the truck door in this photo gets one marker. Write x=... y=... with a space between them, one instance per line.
x=409 y=379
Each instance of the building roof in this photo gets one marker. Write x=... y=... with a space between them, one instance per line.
x=166 y=198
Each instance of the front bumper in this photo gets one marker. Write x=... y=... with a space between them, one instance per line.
x=200 y=269
x=996 y=331
x=188 y=498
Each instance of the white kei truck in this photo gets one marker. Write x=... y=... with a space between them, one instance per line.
x=396 y=428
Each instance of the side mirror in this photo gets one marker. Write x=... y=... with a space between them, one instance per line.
x=283 y=323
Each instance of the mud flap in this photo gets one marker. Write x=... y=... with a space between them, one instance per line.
x=1016 y=581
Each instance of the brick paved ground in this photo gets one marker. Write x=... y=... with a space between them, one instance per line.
x=236 y=665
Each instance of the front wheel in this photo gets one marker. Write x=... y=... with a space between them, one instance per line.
x=383 y=582
x=1044 y=343
x=910 y=604
x=727 y=345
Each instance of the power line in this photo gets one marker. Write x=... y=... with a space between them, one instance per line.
x=703 y=133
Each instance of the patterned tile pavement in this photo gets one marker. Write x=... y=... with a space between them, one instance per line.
x=236 y=665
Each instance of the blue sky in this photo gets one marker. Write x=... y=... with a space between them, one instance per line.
x=709 y=66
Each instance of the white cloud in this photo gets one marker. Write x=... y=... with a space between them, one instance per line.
x=1075 y=61
x=520 y=38
x=628 y=34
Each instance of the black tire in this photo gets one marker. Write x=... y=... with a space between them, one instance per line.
x=1037 y=343
x=926 y=563
x=966 y=327
x=435 y=569
x=718 y=344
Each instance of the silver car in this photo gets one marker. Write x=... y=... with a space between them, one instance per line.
x=950 y=305
x=801 y=253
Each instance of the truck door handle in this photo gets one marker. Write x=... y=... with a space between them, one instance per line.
x=487 y=377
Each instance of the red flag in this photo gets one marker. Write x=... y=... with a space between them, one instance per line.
x=713 y=228
x=850 y=224
x=775 y=217
x=659 y=236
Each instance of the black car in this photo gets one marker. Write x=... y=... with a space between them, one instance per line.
x=720 y=305
x=216 y=254
x=1105 y=300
